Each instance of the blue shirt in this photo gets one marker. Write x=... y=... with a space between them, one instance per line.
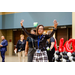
x=5 y=44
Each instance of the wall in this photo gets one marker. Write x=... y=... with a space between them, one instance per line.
x=73 y=25
x=12 y=21
x=10 y=44
x=46 y=18
x=1 y=20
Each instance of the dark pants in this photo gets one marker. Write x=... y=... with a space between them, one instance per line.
x=31 y=52
x=3 y=56
x=51 y=54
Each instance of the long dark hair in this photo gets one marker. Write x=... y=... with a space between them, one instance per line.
x=38 y=28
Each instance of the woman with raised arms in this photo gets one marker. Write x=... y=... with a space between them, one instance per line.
x=40 y=41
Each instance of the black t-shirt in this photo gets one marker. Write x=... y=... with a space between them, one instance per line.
x=21 y=45
x=31 y=42
x=51 y=40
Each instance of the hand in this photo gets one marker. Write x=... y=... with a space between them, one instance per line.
x=15 y=50
x=26 y=53
x=50 y=49
x=21 y=22
x=1 y=45
x=55 y=23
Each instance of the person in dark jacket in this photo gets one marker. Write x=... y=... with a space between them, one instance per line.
x=20 y=48
x=40 y=41
x=3 y=47
x=50 y=47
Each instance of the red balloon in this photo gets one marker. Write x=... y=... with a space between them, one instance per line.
x=60 y=45
x=55 y=45
x=73 y=44
x=67 y=46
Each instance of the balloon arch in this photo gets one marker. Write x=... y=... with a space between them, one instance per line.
x=64 y=53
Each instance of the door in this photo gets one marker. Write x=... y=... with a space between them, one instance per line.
x=61 y=33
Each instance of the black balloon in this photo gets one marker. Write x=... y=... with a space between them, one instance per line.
x=64 y=53
x=59 y=57
x=58 y=53
x=73 y=58
x=58 y=60
x=68 y=61
x=66 y=57
x=73 y=54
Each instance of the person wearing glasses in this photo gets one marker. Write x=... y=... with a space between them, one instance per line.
x=40 y=54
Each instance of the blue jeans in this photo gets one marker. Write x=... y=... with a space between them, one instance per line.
x=3 y=56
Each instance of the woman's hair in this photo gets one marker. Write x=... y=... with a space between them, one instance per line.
x=21 y=35
x=38 y=28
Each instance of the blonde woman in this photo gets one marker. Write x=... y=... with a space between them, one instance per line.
x=20 y=48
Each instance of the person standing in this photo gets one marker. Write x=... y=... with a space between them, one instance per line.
x=50 y=45
x=3 y=47
x=31 y=44
x=40 y=41
x=20 y=48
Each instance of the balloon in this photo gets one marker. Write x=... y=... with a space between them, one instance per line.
x=73 y=44
x=73 y=54
x=66 y=57
x=58 y=60
x=61 y=44
x=70 y=58
x=59 y=57
x=73 y=58
x=63 y=60
x=55 y=61
x=58 y=53
x=56 y=56
x=67 y=46
x=64 y=53
x=69 y=54
x=68 y=61
x=72 y=61
x=55 y=45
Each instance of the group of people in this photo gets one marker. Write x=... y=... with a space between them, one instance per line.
x=36 y=46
